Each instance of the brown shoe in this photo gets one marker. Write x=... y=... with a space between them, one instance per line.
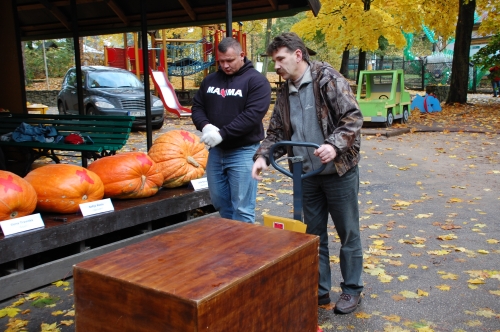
x=347 y=303
x=324 y=299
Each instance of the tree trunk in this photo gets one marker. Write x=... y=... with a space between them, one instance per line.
x=460 y=65
x=361 y=63
x=268 y=41
x=380 y=63
x=344 y=66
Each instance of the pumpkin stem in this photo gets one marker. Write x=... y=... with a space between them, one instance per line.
x=192 y=161
x=84 y=198
x=143 y=182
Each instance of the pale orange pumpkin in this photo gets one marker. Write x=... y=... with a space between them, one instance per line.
x=128 y=175
x=62 y=188
x=181 y=157
x=17 y=196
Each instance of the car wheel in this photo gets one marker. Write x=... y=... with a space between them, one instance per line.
x=406 y=115
x=91 y=111
x=390 y=118
x=157 y=126
x=60 y=108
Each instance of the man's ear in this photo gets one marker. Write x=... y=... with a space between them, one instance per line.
x=298 y=54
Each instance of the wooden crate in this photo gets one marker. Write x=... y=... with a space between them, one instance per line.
x=211 y=275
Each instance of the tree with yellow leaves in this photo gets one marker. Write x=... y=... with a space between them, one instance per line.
x=358 y=24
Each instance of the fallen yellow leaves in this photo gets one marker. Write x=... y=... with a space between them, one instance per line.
x=15 y=324
x=334 y=259
x=400 y=205
x=439 y=252
x=409 y=294
x=486 y=312
x=402 y=278
x=398 y=297
x=11 y=312
x=362 y=315
x=443 y=287
x=50 y=327
x=447 y=237
x=477 y=281
x=385 y=278
x=60 y=283
x=392 y=318
x=450 y=276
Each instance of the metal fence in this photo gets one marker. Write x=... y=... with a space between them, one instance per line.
x=419 y=73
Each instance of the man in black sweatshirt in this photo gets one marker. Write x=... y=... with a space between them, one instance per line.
x=229 y=108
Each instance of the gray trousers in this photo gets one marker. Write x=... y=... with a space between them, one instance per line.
x=338 y=196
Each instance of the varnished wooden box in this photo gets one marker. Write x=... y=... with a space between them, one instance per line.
x=213 y=274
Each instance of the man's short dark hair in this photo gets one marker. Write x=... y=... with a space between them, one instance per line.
x=291 y=41
x=227 y=43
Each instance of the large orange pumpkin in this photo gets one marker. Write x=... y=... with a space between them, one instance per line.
x=62 y=188
x=181 y=157
x=17 y=196
x=128 y=175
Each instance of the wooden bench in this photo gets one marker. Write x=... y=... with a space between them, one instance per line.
x=108 y=134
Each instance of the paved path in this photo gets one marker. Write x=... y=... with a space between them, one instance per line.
x=429 y=220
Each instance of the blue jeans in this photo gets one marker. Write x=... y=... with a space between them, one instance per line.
x=338 y=196
x=496 y=87
x=230 y=183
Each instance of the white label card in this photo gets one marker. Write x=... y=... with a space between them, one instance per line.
x=22 y=224
x=199 y=184
x=90 y=208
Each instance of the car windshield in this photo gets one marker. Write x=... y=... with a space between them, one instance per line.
x=111 y=79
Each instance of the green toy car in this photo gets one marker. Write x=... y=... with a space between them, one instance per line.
x=382 y=97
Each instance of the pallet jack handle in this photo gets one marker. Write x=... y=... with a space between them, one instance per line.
x=296 y=174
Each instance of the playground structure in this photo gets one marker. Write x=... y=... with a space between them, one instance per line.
x=438 y=65
x=172 y=57
x=382 y=97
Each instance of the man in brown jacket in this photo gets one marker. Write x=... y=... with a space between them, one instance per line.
x=316 y=105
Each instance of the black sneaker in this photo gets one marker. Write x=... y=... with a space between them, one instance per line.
x=324 y=299
x=347 y=303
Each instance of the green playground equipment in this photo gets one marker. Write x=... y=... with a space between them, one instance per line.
x=382 y=97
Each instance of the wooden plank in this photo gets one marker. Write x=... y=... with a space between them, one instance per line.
x=24 y=281
x=74 y=117
x=214 y=274
x=52 y=146
x=127 y=213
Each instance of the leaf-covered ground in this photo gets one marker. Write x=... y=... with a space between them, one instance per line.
x=429 y=223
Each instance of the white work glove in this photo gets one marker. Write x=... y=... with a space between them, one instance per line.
x=208 y=128
x=211 y=136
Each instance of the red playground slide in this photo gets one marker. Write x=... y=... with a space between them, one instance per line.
x=167 y=94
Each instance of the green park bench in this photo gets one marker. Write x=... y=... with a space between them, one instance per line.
x=108 y=134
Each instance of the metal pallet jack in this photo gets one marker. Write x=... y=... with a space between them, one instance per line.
x=296 y=223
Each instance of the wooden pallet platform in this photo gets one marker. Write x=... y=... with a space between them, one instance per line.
x=36 y=258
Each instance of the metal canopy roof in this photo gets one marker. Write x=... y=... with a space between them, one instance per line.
x=48 y=19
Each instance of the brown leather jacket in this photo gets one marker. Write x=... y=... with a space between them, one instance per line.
x=338 y=114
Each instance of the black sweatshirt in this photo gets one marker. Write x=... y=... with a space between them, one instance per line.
x=236 y=104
